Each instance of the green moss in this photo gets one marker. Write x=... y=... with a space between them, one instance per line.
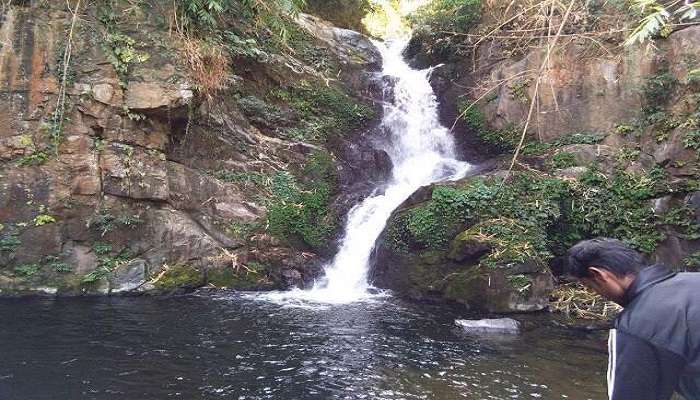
x=242 y=230
x=180 y=276
x=253 y=277
x=467 y=287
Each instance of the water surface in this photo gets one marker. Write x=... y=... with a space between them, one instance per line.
x=230 y=346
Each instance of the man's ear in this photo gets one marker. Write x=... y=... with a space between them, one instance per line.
x=598 y=274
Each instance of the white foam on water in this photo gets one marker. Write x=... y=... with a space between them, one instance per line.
x=422 y=152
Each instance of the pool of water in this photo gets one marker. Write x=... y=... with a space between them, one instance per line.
x=234 y=346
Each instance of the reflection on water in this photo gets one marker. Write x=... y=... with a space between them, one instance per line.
x=233 y=347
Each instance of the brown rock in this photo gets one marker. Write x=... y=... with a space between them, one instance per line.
x=143 y=96
x=129 y=171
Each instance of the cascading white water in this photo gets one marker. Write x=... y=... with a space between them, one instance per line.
x=422 y=152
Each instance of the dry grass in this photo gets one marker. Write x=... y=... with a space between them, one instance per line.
x=207 y=64
x=575 y=301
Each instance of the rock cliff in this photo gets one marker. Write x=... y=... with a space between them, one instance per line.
x=611 y=150
x=122 y=172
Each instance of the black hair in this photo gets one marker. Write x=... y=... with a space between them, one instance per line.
x=610 y=254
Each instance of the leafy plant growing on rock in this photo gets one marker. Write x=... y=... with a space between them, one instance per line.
x=27 y=270
x=106 y=263
x=300 y=210
x=43 y=219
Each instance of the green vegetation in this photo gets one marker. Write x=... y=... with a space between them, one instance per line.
x=33 y=159
x=440 y=22
x=252 y=276
x=617 y=206
x=562 y=159
x=262 y=113
x=56 y=265
x=180 y=276
x=27 y=270
x=9 y=242
x=512 y=218
x=104 y=221
x=298 y=208
x=507 y=139
x=43 y=219
x=106 y=261
x=119 y=48
x=519 y=91
x=36 y=157
x=297 y=211
x=657 y=18
x=537 y=148
x=534 y=216
x=657 y=92
x=242 y=230
x=53 y=128
x=244 y=177
x=692 y=262
x=208 y=15
x=322 y=111
x=504 y=139
x=682 y=218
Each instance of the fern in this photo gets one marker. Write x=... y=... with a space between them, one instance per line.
x=658 y=20
x=269 y=14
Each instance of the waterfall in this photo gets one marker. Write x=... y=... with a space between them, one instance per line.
x=422 y=152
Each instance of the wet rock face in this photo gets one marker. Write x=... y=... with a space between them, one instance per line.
x=145 y=186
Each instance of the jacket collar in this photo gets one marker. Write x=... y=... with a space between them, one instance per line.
x=646 y=278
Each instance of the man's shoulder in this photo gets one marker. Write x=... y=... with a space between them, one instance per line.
x=665 y=313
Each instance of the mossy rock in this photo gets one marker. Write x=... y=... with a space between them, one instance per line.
x=464 y=247
x=181 y=277
x=242 y=279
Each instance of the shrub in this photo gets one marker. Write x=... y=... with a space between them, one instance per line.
x=562 y=159
x=484 y=204
x=300 y=213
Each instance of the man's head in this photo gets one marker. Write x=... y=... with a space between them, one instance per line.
x=607 y=266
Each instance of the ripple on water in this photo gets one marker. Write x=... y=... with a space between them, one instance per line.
x=237 y=346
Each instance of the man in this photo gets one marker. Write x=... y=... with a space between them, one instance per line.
x=655 y=344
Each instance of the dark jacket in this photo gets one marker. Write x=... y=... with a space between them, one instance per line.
x=655 y=346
